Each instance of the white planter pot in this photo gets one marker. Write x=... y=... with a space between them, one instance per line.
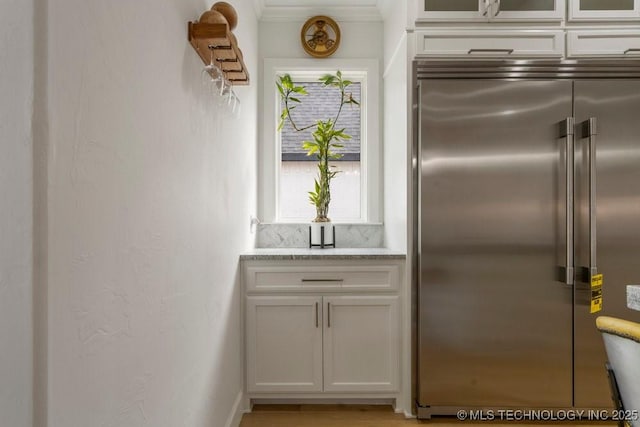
x=316 y=233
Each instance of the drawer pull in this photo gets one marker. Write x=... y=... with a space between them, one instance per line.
x=507 y=51
x=322 y=280
x=328 y=314
x=635 y=49
x=316 y=315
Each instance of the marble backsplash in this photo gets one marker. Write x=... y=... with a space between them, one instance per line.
x=297 y=235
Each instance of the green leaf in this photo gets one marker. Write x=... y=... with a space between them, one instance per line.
x=279 y=86
x=286 y=82
x=327 y=79
x=291 y=98
x=308 y=144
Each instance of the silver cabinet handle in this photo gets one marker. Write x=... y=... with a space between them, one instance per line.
x=637 y=50
x=328 y=315
x=567 y=130
x=486 y=4
x=589 y=128
x=507 y=51
x=322 y=280
x=317 y=322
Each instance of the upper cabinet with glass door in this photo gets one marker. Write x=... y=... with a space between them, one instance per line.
x=604 y=10
x=490 y=10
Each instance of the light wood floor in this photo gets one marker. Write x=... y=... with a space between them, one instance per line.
x=356 y=416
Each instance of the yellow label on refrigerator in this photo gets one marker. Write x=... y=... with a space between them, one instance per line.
x=596 y=292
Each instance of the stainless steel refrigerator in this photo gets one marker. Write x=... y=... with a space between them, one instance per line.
x=527 y=184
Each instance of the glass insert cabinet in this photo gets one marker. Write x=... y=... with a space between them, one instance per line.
x=599 y=10
x=490 y=10
x=527 y=10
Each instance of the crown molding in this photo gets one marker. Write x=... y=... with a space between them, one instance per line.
x=258 y=5
x=339 y=13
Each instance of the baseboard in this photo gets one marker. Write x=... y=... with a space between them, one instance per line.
x=235 y=416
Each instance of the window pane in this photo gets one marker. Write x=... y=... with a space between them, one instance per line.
x=296 y=179
x=451 y=5
x=606 y=4
x=526 y=5
x=297 y=170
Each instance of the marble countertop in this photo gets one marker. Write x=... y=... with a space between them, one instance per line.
x=307 y=254
x=633 y=297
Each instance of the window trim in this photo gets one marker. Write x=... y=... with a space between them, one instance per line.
x=269 y=160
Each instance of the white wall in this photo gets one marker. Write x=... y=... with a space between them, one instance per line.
x=151 y=189
x=16 y=229
x=358 y=39
x=397 y=19
x=396 y=77
x=395 y=151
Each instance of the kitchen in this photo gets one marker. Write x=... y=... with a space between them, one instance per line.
x=121 y=288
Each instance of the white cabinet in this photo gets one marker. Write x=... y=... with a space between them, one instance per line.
x=607 y=43
x=452 y=10
x=490 y=10
x=361 y=343
x=325 y=328
x=604 y=10
x=489 y=43
x=284 y=343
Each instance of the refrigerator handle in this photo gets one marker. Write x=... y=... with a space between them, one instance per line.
x=567 y=131
x=589 y=130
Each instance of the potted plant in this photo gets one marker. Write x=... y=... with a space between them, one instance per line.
x=326 y=138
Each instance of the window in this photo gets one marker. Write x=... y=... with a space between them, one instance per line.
x=297 y=170
x=287 y=173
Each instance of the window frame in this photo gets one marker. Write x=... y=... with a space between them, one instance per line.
x=366 y=71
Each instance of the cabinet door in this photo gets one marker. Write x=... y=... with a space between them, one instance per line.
x=604 y=10
x=452 y=10
x=361 y=343
x=490 y=10
x=527 y=10
x=284 y=344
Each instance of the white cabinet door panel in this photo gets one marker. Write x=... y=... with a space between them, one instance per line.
x=284 y=344
x=451 y=10
x=361 y=343
x=527 y=10
x=313 y=278
x=603 y=43
x=489 y=10
x=494 y=43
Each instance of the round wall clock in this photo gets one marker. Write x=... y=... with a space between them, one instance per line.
x=320 y=36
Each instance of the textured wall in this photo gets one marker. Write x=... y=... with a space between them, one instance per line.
x=151 y=189
x=16 y=230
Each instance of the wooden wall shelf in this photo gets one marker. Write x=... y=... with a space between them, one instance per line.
x=226 y=52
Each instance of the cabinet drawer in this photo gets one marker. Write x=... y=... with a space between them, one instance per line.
x=501 y=44
x=297 y=277
x=603 y=43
